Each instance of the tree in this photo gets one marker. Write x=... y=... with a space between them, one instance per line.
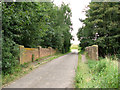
x=33 y=24
x=102 y=19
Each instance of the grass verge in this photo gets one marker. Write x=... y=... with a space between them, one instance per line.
x=97 y=74
x=24 y=69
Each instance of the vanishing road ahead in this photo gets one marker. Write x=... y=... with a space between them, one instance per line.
x=58 y=73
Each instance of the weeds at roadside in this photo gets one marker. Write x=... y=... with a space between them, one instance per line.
x=97 y=74
x=105 y=73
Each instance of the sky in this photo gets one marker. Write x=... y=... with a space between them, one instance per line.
x=77 y=8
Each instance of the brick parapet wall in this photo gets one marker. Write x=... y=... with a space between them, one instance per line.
x=28 y=54
x=92 y=52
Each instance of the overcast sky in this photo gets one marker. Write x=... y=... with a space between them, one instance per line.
x=77 y=6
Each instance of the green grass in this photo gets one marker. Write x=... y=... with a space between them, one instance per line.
x=105 y=73
x=97 y=74
x=21 y=70
x=83 y=76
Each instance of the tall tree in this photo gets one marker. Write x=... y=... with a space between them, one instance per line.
x=32 y=24
x=102 y=27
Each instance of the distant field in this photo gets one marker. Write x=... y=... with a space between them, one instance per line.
x=74 y=47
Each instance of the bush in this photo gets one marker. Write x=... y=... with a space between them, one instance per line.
x=10 y=52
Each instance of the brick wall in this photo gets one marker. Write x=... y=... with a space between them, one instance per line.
x=92 y=52
x=29 y=54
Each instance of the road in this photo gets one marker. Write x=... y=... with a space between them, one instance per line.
x=58 y=73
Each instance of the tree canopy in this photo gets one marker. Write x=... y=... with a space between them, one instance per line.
x=33 y=24
x=101 y=27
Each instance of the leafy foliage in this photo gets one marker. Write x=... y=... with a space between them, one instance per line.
x=33 y=24
x=58 y=35
x=101 y=27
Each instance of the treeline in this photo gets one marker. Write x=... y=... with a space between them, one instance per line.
x=101 y=27
x=33 y=24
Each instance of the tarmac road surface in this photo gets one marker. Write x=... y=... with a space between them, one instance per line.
x=58 y=73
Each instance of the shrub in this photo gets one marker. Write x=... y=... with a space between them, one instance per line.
x=10 y=52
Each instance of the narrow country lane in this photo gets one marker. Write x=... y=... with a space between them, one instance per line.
x=59 y=73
